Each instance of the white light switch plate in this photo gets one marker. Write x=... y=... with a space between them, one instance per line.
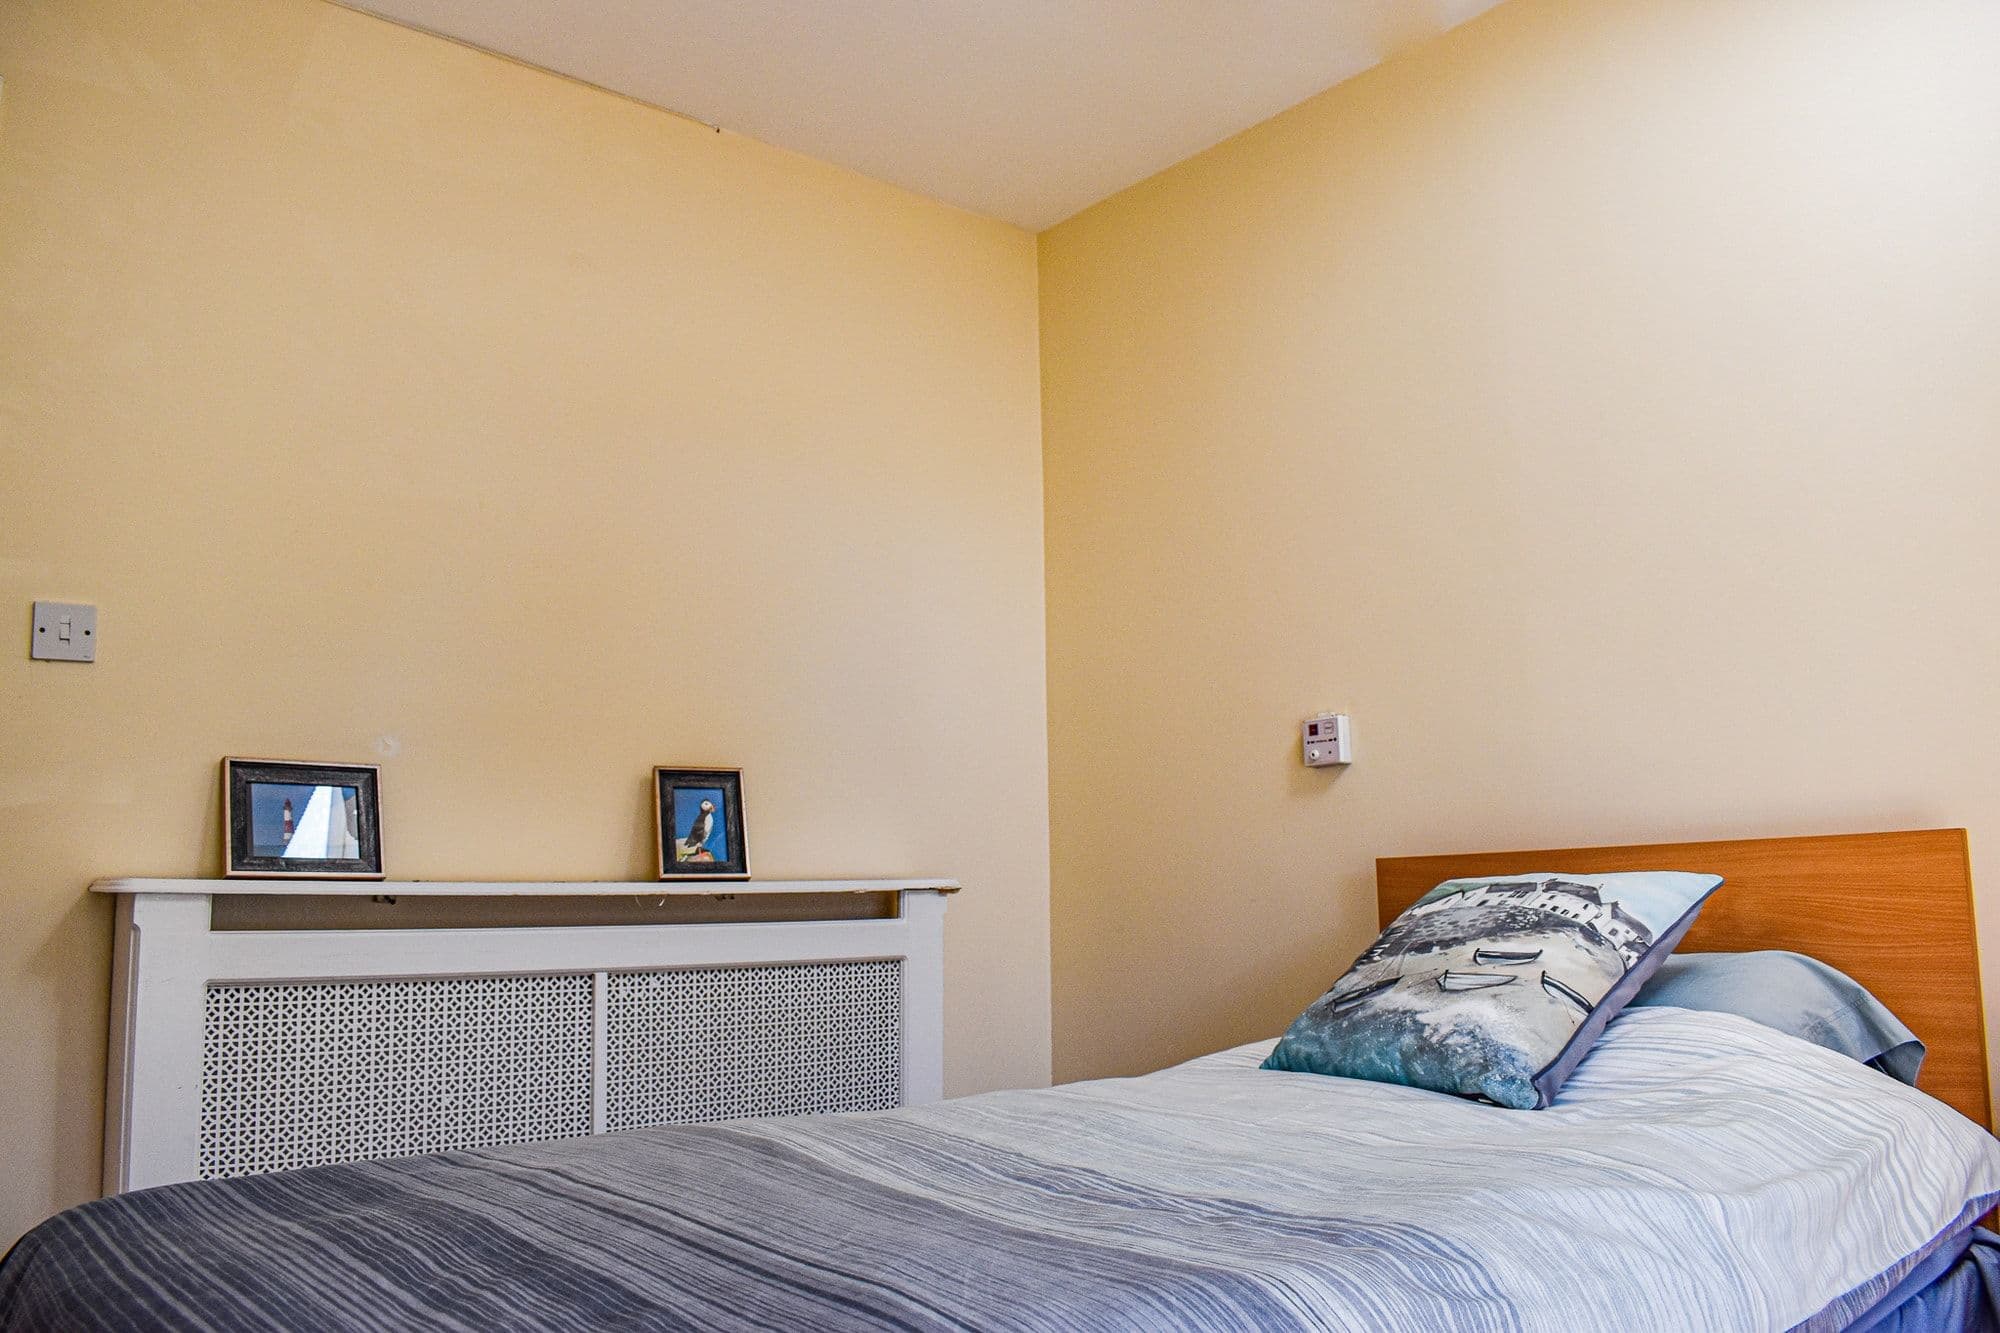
x=64 y=632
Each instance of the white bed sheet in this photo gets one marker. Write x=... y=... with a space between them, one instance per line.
x=1698 y=1170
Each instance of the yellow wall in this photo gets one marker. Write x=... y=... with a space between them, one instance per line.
x=394 y=401
x=1601 y=402
x=1597 y=401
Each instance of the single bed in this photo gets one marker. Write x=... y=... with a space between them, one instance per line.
x=1698 y=1171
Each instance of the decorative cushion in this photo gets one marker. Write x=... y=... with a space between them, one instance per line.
x=1795 y=994
x=1495 y=988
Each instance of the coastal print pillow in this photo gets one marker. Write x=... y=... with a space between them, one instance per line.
x=1495 y=988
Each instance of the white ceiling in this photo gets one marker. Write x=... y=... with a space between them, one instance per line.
x=1025 y=110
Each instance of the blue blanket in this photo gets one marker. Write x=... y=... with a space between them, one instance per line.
x=1961 y=1295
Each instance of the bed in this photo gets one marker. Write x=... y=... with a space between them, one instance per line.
x=1698 y=1171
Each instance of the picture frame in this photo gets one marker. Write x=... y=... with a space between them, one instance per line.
x=698 y=815
x=287 y=819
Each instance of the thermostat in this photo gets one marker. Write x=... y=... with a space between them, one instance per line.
x=1327 y=738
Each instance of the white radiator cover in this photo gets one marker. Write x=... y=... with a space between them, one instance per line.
x=301 y=1075
x=235 y=1052
x=717 y=1043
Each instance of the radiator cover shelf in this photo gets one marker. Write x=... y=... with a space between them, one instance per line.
x=241 y=1052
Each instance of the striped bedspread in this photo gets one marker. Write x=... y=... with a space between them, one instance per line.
x=1698 y=1172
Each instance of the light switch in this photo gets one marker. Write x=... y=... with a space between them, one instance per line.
x=64 y=632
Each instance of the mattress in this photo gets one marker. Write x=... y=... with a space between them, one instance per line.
x=1697 y=1171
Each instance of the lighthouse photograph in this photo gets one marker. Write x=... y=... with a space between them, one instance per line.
x=312 y=823
x=302 y=819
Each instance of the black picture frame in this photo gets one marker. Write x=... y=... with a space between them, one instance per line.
x=704 y=784
x=242 y=860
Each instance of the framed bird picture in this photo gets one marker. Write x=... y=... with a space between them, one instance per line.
x=701 y=823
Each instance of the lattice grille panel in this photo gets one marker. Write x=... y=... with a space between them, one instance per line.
x=715 y=1043
x=299 y=1075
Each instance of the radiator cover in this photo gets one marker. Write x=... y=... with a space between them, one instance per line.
x=298 y=1075
x=716 y=1043
x=239 y=1051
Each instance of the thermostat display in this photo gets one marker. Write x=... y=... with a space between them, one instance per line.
x=1327 y=739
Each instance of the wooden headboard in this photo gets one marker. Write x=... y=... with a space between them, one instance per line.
x=1892 y=910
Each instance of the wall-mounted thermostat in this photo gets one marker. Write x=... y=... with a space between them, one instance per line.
x=1327 y=738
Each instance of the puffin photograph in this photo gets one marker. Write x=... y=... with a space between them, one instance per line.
x=694 y=847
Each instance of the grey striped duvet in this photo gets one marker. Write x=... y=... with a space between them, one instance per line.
x=1697 y=1172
